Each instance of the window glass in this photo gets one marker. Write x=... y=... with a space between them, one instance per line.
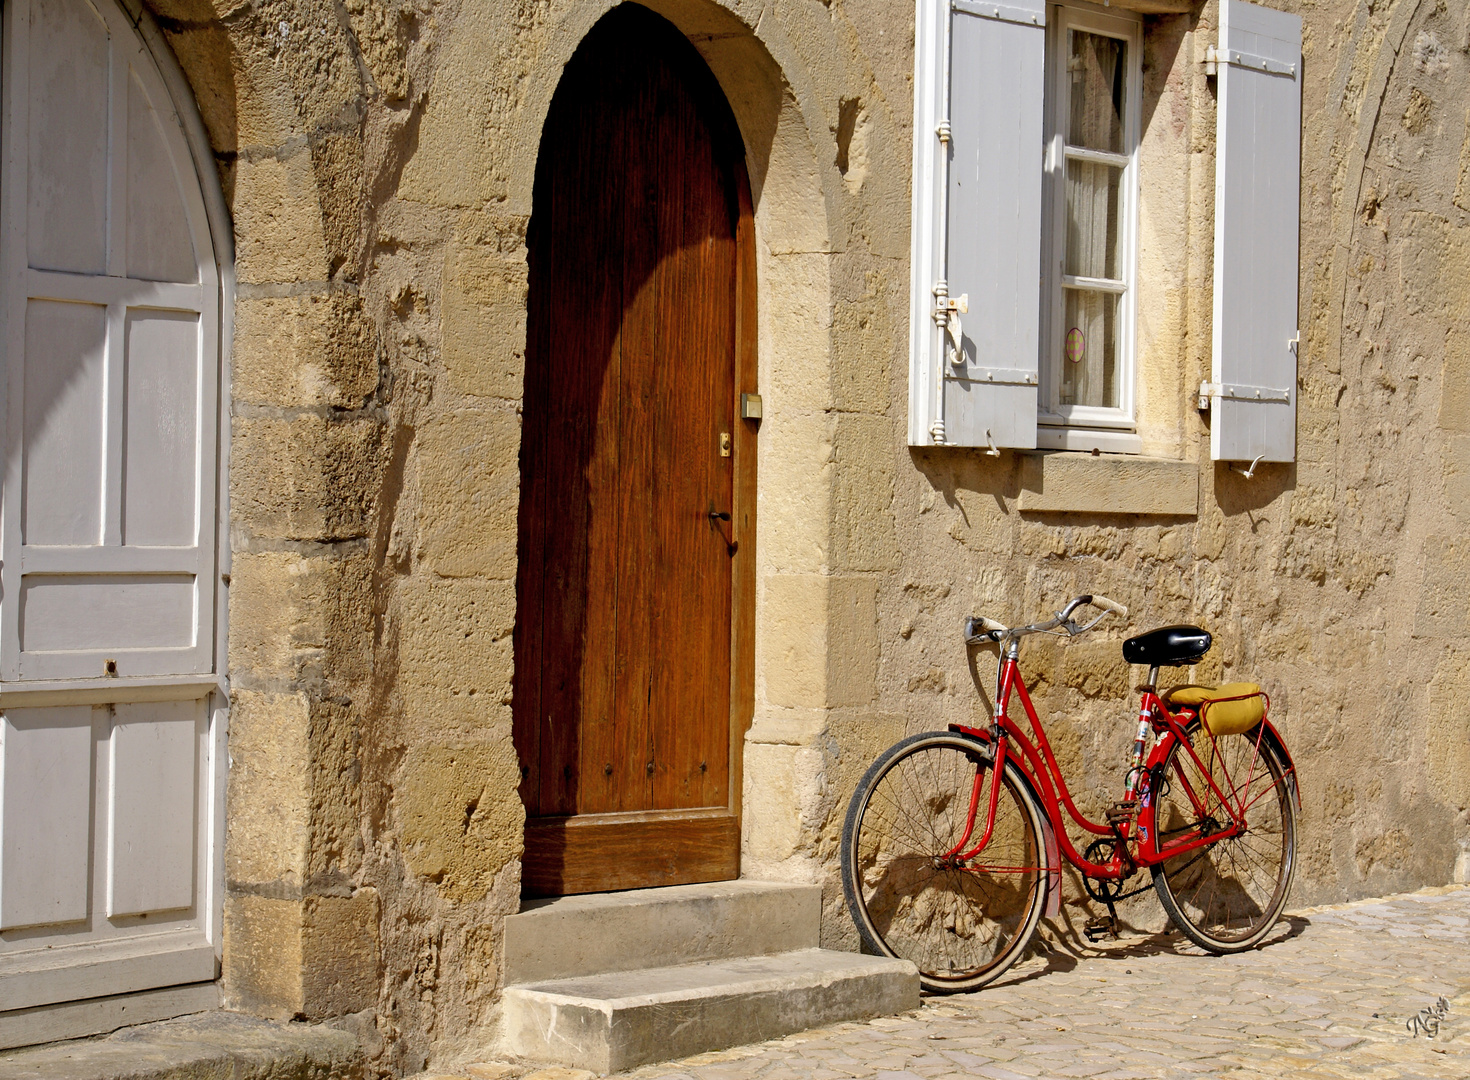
x=1095 y=69
x=1089 y=360
x=1092 y=219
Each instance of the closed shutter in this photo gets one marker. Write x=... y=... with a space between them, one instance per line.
x=1257 y=199
x=111 y=729
x=111 y=334
x=977 y=222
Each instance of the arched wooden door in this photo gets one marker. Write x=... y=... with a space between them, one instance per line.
x=633 y=645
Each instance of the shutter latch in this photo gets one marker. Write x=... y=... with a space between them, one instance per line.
x=947 y=312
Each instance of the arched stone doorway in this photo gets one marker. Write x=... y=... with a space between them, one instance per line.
x=634 y=630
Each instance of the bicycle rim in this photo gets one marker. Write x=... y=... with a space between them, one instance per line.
x=962 y=927
x=1226 y=896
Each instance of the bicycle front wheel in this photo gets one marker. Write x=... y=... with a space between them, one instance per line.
x=962 y=922
x=1227 y=895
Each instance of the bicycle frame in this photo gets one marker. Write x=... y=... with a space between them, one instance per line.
x=1138 y=840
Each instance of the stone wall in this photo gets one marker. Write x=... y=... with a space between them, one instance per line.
x=378 y=159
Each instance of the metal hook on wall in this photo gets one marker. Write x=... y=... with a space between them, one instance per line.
x=1248 y=473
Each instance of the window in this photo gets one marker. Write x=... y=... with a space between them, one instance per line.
x=1091 y=181
x=1024 y=289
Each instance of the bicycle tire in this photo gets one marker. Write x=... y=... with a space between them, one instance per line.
x=962 y=928
x=1227 y=896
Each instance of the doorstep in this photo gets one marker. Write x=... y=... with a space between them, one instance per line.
x=206 y=1046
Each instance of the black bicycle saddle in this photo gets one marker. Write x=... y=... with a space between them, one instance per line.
x=1167 y=646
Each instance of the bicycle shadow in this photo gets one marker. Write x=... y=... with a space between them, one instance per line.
x=1061 y=947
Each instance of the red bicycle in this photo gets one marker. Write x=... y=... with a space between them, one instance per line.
x=953 y=842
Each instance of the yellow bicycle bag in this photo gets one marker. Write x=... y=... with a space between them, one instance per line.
x=1224 y=710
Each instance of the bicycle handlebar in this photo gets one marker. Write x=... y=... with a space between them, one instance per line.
x=979 y=629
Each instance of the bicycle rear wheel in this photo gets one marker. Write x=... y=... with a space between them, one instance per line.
x=1226 y=896
x=962 y=925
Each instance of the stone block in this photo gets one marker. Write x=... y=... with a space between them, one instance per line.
x=1457 y=478
x=303 y=351
x=1112 y=484
x=784 y=793
x=306 y=478
x=1447 y=742
x=484 y=309
x=277 y=615
x=1454 y=398
x=459 y=814
x=820 y=640
x=863 y=534
x=799 y=331
x=456 y=656
x=296 y=617
x=625 y=931
x=268 y=796
x=469 y=491
x=797 y=472
x=278 y=219
x=339 y=945
x=1446 y=569
x=209 y=1045
x=262 y=955
x=618 y=1021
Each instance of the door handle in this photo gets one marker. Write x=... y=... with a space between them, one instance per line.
x=717 y=516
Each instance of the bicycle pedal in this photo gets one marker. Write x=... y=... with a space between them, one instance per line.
x=1122 y=811
x=1098 y=929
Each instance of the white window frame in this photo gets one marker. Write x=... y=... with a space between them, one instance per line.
x=1081 y=427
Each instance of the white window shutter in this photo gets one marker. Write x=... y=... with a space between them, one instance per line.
x=1257 y=204
x=980 y=72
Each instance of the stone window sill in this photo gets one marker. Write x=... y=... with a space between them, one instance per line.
x=1063 y=482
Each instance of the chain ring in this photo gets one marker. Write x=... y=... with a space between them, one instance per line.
x=1103 y=890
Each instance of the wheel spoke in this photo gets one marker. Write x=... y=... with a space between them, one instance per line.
x=1227 y=893
x=961 y=924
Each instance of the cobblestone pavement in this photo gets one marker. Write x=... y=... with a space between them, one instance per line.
x=1328 y=998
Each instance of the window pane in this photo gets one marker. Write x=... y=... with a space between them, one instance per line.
x=1092 y=219
x=1090 y=349
x=1095 y=67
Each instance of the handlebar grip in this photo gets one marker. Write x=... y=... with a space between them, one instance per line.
x=1109 y=605
x=977 y=626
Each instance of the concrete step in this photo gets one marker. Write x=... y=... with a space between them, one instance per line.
x=620 y=1020
x=680 y=924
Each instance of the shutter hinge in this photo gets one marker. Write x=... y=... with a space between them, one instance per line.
x=1238 y=58
x=943 y=131
x=1240 y=392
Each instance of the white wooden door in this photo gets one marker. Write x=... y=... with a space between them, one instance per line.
x=110 y=318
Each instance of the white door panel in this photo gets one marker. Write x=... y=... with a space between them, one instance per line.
x=45 y=815
x=160 y=247
x=152 y=825
x=69 y=86
x=61 y=441
x=160 y=481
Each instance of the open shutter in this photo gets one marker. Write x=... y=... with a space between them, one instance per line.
x=1252 y=393
x=980 y=71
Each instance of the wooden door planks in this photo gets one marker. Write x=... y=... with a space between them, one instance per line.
x=634 y=639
